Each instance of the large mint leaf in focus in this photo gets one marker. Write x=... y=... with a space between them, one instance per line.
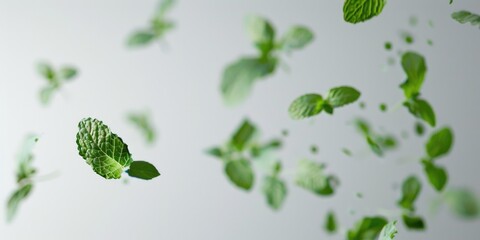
x=340 y=96
x=239 y=77
x=355 y=11
x=103 y=150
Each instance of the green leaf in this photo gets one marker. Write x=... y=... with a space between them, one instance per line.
x=467 y=17
x=103 y=150
x=15 y=199
x=462 y=202
x=374 y=146
x=67 y=73
x=410 y=190
x=440 y=143
x=25 y=170
x=367 y=228
x=46 y=94
x=143 y=122
x=419 y=129
x=355 y=11
x=275 y=192
x=306 y=106
x=142 y=170
x=437 y=176
x=296 y=38
x=331 y=223
x=421 y=109
x=47 y=72
x=240 y=172
x=260 y=31
x=415 y=67
x=216 y=152
x=164 y=7
x=310 y=176
x=413 y=222
x=389 y=231
x=140 y=38
x=238 y=78
x=341 y=96
x=244 y=135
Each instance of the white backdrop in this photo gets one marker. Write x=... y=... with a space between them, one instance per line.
x=179 y=84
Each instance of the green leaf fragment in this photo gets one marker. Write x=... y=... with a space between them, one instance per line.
x=367 y=228
x=421 y=109
x=142 y=170
x=103 y=150
x=410 y=190
x=275 y=192
x=296 y=38
x=261 y=32
x=383 y=107
x=419 y=129
x=466 y=17
x=140 y=38
x=67 y=73
x=240 y=172
x=306 y=106
x=239 y=77
x=15 y=199
x=355 y=11
x=440 y=143
x=244 y=135
x=310 y=176
x=340 y=96
x=143 y=122
x=437 y=176
x=389 y=231
x=415 y=67
x=331 y=223
x=413 y=222
x=463 y=202
x=388 y=46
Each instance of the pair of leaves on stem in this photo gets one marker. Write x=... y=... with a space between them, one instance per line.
x=467 y=17
x=24 y=175
x=312 y=104
x=159 y=26
x=415 y=67
x=240 y=151
x=108 y=154
x=356 y=11
x=239 y=77
x=438 y=145
x=55 y=79
x=378 y=143
x=411 y=188
x=144 y=123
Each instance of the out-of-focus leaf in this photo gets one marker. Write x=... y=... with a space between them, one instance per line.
x=440 y=143
x=240 y=172
x=463 y=202
x=275 y=192
x=467 y=17
x=367 y=228
x=410 y=190
x=244 y=134
x=310 y=176
x=389 y=231
x=413 y=222
x=421 y=109
x=415 y=67
x=140 y=38
x=297 y=37
x=340 y=96
x=306 y=106
x=331 y=223
x=15 y=199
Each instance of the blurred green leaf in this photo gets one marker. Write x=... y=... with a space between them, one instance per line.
x=306 y=106
x=367 y=228
x=310 y=176
x=410 y=190
x=466 y=17
x=463 y=202
x=389 y=231
x=67 y=73
x=437 y=176
x=240 y=172
x=421 y=109
x=343 y=95
x=244 y=134
x=140 y=38
x=440 y=143
x=16 y=198
x=331 y=223
x=275 y=191
x=142 y=121
x=415 y=67
x=413 y=222
x=297 y=37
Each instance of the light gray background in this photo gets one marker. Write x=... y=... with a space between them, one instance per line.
x=179 y=84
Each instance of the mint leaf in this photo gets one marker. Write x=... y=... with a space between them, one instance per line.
x=310 y=176
x=421 y=109
x=466 y=17
x=413 y=222
x=25 y=170
x=306 y=106
x=142 y=170
x=440 y=143
x=216 y=152
x=240 y=172
x=261 y=32
x=410 y=190
x=143 y=122
x=340 y=96
x=164 y=7
x=437 y=176
x=67 y=73
x=297 y=37
x=331 y=223
x=415 y=67
x=463 y=202
x=355 y=11
x=47 y=72
x=103 y=150
x=389 y=231
x=419 y=129
x=275 y=192
x=140 y=38
x=238 y=78
x=15 y=199
x=367 y=228
x=244 y=134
